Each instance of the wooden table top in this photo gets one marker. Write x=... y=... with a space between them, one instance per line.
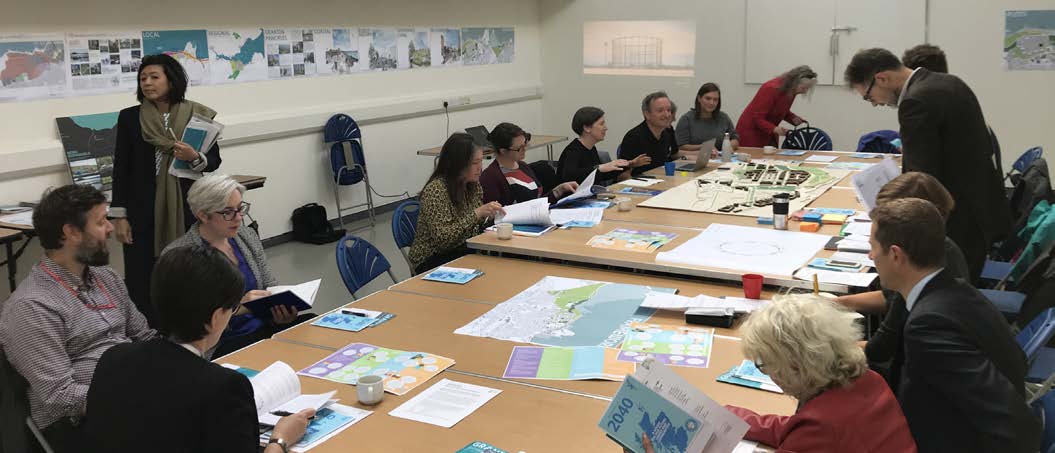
x=425 y=323
x=7 y=234
x=513 y=420
x=537 y=141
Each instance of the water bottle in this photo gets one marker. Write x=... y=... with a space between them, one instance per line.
x=727 y=149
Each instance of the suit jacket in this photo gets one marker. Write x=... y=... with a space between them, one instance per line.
x=861 y=417
x=944 y=134
x=961 y=380
x=157 y=396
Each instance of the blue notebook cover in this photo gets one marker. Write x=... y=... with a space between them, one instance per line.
x=791 y=152
x=480 y=447
x=637 y=409
x=261 y=307
x=341 y=321
x=196 y=139
x=453 y=275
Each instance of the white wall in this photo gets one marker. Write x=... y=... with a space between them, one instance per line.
x=296 y=165
x=1020 y=105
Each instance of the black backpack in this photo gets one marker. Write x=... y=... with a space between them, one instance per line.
x=311 y=225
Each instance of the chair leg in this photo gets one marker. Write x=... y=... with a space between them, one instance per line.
x=407 y=259
x=39 y=435
x=369 y=195
x=337 y=197
x=393 y=276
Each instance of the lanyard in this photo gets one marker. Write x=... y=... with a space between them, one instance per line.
x=87 y=303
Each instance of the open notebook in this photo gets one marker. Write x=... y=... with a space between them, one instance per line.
x=300 y=297
x=277 y=391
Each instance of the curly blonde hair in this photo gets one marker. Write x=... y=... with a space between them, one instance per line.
x=806 y=343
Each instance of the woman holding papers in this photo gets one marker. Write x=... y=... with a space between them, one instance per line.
x=884 y=343
x=580 y=157
x=149 y=202
x=759 y=123
x=452 y=207
x=510 y=180
x=216 y=201
x=808 y=347
x=163 y=395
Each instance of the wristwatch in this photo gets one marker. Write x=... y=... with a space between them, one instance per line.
x=281 y=443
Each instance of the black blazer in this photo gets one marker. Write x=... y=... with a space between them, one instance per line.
x=134 y=183
x=157 y=396
x=962 y=374
x=945 y=135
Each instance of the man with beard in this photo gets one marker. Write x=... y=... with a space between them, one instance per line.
x=67 y=312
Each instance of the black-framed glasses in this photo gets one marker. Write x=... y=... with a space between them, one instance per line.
x=868 y=93
x=230 y=214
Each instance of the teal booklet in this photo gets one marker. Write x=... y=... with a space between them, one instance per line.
x=636 y=409
x=457 y=275
x=748 y=375
x=480 y=447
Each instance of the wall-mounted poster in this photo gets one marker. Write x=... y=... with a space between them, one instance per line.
x=413 y=48
x=103 y=62
x=1029 y=40
x=32 y=66
x=639 y=47
x=88 y=142
x=445 y=46
x=487 y=46
x=237 y=55
x=189 y=47
x=380 y=47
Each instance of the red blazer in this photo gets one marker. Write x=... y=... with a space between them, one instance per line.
x=862 y=417
x=764 y=113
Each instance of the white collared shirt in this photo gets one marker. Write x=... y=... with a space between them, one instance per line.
x=192 y=349
x=905 y=86
x=910 y=299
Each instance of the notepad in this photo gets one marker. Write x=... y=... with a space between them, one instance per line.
x=456 y=275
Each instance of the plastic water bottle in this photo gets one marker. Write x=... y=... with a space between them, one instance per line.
x=727 y=149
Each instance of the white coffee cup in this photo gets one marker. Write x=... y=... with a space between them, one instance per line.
x=505 y=230
x=624 y=204
x=769 y=150
x=371 y=389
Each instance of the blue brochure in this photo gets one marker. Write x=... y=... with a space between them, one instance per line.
x=637 y=409
x=480 y=447
x=344 y=321
x=457 y=275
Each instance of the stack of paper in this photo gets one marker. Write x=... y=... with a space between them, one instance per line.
x=862 y=279
x=854 y=243
x=327 y=423
x=402 y=371
x=860 y=258
x=537 y=212
x=586 y=190
x=22 y=218
x=676 y=416
x=861 y=229
x=566 y=363
x=446 y=403
x=277 y=390
x=640 y=182
x=673 y=302
x=631 y=240
x=748 y=375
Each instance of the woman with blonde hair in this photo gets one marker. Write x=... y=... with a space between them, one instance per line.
x=808 y=346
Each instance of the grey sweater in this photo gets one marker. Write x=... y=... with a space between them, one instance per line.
x=692 y=131
x=249 y=244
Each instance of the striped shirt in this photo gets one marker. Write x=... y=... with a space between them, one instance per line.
x=54 y=328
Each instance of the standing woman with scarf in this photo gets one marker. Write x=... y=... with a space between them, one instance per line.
x=149 y=205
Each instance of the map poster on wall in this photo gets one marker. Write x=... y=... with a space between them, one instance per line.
x=103 y=62
x=445 y=46
x=237 y=55
x=189 y=47
x=88 y=142
x=639 y=48
x=380 y=47
x=342 y=55
x=32 y=66
x=482 y=46
x=1029 y=40
x=412 y=48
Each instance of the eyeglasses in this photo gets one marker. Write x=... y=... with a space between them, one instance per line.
x=230 y=214
x=760 y=366
x=868 y=93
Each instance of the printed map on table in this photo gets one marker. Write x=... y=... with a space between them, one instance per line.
x=558 y=363
x=747 y=189
x=670 y=345
x=1029 y=40
x=627 y=240
x=558 y=311
x=402 y=370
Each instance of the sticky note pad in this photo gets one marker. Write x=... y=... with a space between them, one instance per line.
x=833 y=219
x=811 y=227
x=812 y=217
x=763 y=220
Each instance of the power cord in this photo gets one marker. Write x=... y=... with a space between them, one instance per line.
x=447 y=113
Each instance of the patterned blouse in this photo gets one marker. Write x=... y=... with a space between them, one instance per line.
x=442 y=227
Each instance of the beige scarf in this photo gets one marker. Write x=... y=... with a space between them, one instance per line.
x=168 y=199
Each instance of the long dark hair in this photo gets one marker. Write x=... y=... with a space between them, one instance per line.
x=174 y=72
x=455 y=156
x=795 y=75
x=708 y=87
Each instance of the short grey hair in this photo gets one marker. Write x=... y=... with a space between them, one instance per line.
x=806 y=343
x=647 y=102
x=209 y=194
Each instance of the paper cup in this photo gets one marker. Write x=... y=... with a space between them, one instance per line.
x=624 y=204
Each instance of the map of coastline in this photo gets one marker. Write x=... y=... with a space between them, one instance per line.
x=1029 y=40
x=30 y=69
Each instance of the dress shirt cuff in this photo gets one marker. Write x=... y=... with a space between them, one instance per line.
x=117 y=212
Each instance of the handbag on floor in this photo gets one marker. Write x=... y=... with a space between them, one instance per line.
x=311 y=225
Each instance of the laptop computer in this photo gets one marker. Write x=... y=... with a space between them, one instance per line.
x=479 y=134
x=702 y=157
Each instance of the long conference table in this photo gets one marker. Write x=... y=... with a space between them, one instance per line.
x=529 y=415
x=570 y=245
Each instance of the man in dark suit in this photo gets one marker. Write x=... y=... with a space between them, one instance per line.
x=959 y=372
x=945 y=135
x=162 y=395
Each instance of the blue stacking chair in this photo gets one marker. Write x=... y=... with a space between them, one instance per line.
x=878 y=142
x=1023 y=161
x=405 y=226
x=808 y=139
x=1044 y=407
x=1036 y=334
x=347 y=161
x=359 y=263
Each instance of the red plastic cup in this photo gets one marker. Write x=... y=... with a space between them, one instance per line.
x=752 y=286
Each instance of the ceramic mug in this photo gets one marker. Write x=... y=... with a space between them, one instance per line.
x=624 y=204
x=769 y=150
x=505 y=230
x=371 y=389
